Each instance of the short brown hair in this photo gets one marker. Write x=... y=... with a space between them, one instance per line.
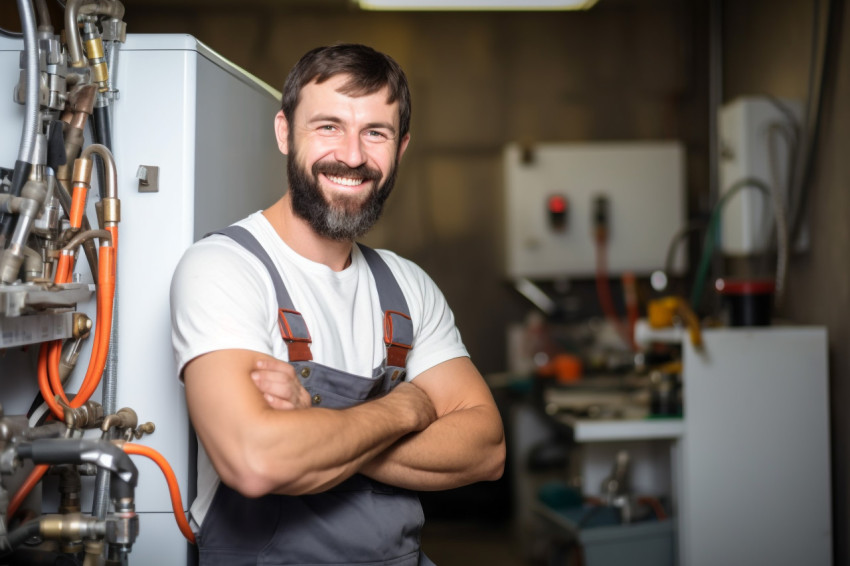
x=370 y=71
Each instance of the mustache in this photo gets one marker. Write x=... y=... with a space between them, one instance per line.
x=338 y=169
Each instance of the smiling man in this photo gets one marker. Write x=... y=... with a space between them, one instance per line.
x=326 y=381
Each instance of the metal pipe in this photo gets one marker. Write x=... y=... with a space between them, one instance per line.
x=33 y=74
x=43 y=16
x=87 y=235
x=109 y=164
x=32 y=199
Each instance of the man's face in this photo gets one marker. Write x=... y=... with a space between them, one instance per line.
x=343 y=154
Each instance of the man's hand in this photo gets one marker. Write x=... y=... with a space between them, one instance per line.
x=282 y=390
x=279 y=385
x=412 y=401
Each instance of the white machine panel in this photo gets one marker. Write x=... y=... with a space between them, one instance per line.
x=208 y=127
x=755 y=454
x=756 y=142
x=644 y=183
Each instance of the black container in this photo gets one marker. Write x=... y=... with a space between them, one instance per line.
x=750 y=300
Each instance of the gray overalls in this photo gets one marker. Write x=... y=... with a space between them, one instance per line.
x=360 y=521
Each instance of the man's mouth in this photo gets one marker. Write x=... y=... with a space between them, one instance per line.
x=346 y=181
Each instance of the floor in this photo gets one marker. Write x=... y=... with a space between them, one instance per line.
x=469 y=543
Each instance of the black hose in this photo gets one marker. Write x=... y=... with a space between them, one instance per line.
x=13 y=34
x=22 y=533
x=101 y=124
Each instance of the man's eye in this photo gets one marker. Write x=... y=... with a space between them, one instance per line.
x=376 y=135
x=327 y=129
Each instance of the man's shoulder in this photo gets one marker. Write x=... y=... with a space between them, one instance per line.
x=219 y=253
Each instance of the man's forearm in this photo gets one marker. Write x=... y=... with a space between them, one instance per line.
x=258 y=450
x=462 y=447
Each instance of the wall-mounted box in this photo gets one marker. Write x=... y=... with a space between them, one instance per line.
x=756 y=137
x=644 y=183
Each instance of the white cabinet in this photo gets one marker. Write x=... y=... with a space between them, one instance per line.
x=755 y=475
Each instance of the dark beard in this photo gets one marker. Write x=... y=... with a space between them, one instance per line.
x=342 y=219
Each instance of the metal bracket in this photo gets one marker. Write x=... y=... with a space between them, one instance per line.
x=148 y=176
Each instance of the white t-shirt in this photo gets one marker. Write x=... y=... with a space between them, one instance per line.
x=223 y=298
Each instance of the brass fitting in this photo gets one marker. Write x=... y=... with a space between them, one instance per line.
x=123 y=418
x=94 y=52
x=109 y=210
x=70 y=527
x=82 y=171
x=89 y=415
x=81 y=325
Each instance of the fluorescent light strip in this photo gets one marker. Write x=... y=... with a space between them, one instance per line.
x=530 y=5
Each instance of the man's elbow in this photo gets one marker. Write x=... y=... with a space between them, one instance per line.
x=495 y=462
x=252 y=477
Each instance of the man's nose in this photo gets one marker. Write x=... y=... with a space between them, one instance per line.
x=350 y=150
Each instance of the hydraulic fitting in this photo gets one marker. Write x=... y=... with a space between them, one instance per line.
x=88 y=415
x=123 y=418
x=93 y=46
x=71 y=527
x=81 y=325
x=82 y=171
x=109 y=211
x=32 y=198
x=70 y=487
x=122 y=527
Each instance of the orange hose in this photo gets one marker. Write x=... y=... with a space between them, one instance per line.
x=603 y=291
x=173 y=487
x=53 y=356
x=35 y=476
x=44 y=384
x=103 y=326
x=78 y=203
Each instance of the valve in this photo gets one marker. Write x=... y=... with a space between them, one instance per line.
x=126 y=421
x=88 y=415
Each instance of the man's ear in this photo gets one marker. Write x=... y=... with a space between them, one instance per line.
x=281 y=132
x=402 y=146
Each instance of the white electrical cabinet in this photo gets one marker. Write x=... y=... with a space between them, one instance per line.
x=550 y=194
x=755 y=468
x=757 y=137
x=207 y=126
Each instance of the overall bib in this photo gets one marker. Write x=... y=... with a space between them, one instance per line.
x=360 y=521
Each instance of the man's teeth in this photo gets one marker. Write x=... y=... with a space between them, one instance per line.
x=345 y=181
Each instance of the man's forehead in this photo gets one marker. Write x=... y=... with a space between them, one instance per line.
x=342 y=85
x=346 y=85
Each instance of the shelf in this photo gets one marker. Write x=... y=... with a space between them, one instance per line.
x=593 y=430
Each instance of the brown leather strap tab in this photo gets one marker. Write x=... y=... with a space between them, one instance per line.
x=294 y=331
x=397 y=355
x=299 y=351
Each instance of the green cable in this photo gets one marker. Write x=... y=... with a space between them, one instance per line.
x=712 y=234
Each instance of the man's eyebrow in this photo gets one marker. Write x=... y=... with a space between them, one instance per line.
x=325 y=118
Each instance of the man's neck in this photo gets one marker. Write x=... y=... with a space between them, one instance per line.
x=299 y=236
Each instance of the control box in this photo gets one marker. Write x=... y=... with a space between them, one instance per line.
x=556 y=193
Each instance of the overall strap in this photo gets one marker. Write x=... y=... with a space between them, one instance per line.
x=293 y=328
x=398 y=328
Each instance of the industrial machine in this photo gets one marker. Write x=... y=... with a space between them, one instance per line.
x=118 y=151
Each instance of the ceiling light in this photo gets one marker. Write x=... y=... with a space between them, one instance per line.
x=521 y=5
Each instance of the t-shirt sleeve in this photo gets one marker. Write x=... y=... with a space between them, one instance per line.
x=436 y=337
x=214 y=302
